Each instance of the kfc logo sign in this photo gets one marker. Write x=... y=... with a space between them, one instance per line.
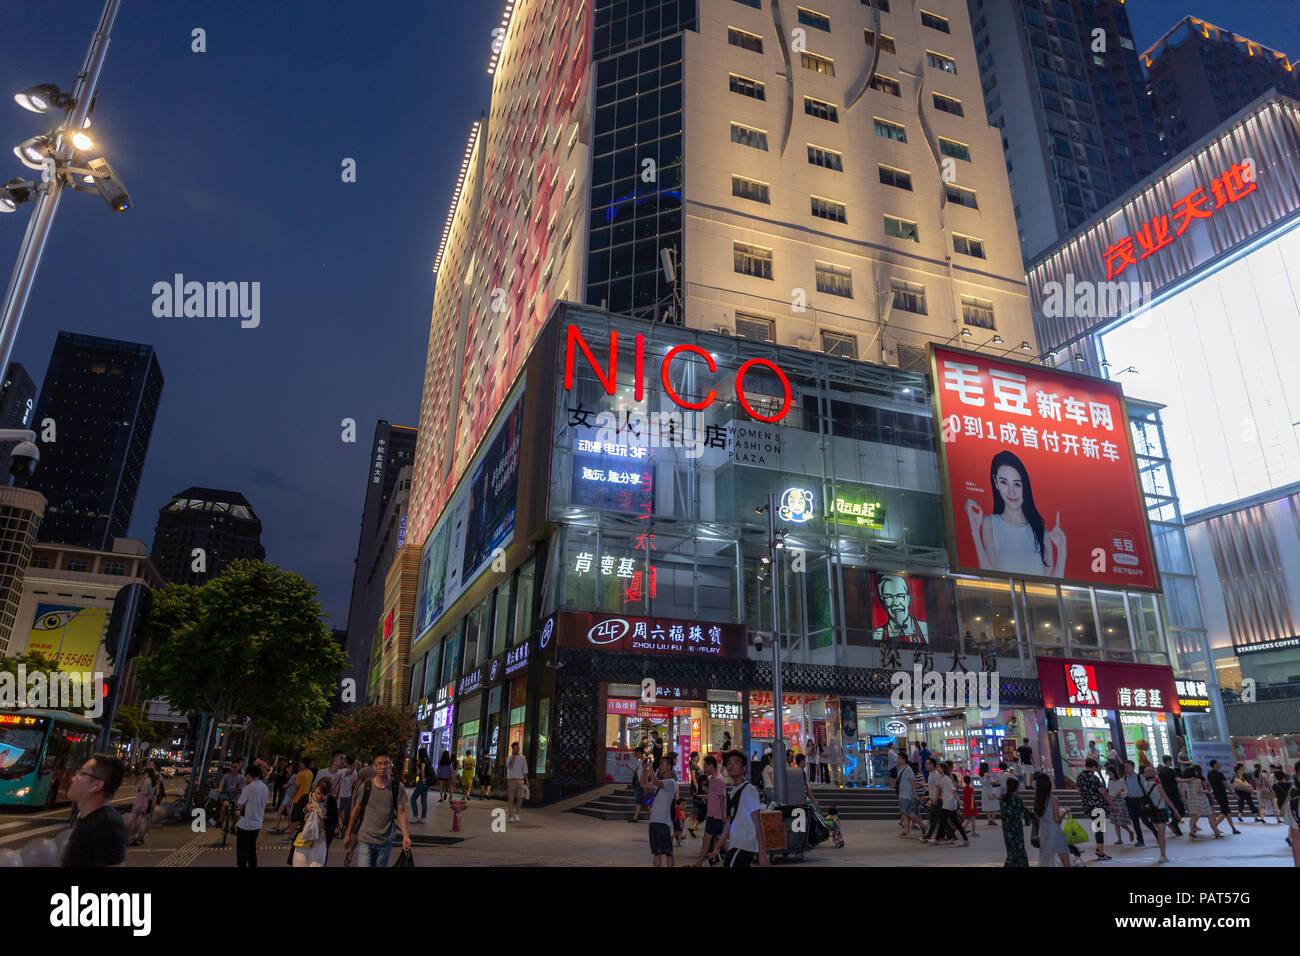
x=1082 y=685
x=608 y=631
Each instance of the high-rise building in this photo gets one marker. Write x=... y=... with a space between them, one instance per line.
x=1200 y=75
x=383 y=527
x=20 y=518
x=1063 y=84
x=220 y=524
x=102 y=395
x=17 y=408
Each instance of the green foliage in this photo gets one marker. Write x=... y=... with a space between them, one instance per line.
x=362 y=731
x=249 y=643
x=133 y=724
x=34 y=661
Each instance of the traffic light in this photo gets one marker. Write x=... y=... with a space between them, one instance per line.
x=128 y=622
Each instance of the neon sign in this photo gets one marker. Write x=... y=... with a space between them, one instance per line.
x=608 y=379
x=869 y=513
x=796 y=505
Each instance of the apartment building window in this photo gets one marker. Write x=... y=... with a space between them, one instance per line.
x=750 y=189
x=886 y=84
x=826 y=158
x=960 y=195
x=828 y=209
x=818 y=64
x=747 y=87
x=886 y=42
x=821 y=109
x=754 y=327
x=76 y=564
x=114 y=567
x=744 y=40
x=947 y=104
x=901 y=228
x=890 y=130
x=977 y=312
x=908 y=296
x=934 y=22
x=954 y=149
x=748 y=136
x=756 y=4
x=837 y=343
x=834 y=280
x=968 y=246
x=752 y=260
x=881 y=5
x=897 y=178
x=811 y=18
x=941 y=62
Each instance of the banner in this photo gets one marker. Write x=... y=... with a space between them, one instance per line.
x=70 y=634
x=651 y=635
x=1039 y=473
x=1094 y=685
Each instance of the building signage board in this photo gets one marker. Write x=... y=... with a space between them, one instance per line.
x=1193 y=696
x=721 y=711
x=1039 y=474
x=516 y=660
x=1094 y=685
x=629 y=634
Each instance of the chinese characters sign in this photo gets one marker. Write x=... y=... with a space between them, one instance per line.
x=1040 y=474
x=1194 y=696
x=1094 y=685
x=649 y=635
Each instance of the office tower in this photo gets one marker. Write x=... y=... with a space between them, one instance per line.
x=220 y=524
x=1200 y=75
x=17 y=405
x=20 y=518
x=1062 y=83
x=102 y=395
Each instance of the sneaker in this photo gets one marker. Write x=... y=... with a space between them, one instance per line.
x=1163 y=859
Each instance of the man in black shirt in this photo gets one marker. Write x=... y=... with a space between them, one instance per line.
x=1219 y=784
x=98 y=837
x=1169 y=781
x=1026 y=756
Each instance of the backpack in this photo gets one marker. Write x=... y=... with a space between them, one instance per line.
x=733 y=801
x=365 y=798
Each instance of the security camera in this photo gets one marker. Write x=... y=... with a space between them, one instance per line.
x=109 y=186
x=22 y=461
x=756 y=639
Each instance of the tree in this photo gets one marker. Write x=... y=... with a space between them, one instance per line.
x=362 y=731
x=251 y=643
x=35 y=662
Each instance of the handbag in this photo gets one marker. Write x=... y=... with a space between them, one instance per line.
x=309 y=833
x=1074 y=831
x=404 y=860
x=526 y=790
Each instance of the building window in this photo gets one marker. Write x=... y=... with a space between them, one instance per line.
x=890 y=176
x=756 y=4
x=42 y=562
x=76 y=564
x=752 y=260
x=828 y=209
x=941 y=62
x=818 y=64
x=901 y=228
x=934 y=22
x=746 y=41
x=825 y=158
x=881 y=5
x=977 y=312
x=811 y=18
x=834 y=280
x=948 y=104
x=748 y=136
x=908 y=296
x=960 y=195
x=747 y=87
x=820 y=109
x=955 y=150
x=890 y=130
x=968 y=246
x=754 y=327
x=886 y=84
x=837 y=343
x=886 y=42
x=749 y=189
x=114 y=567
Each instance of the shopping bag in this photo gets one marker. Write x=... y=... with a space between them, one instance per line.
x=405 y=859
x=1074 y=831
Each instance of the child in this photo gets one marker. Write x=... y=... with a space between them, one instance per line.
x=833 y=818
x=679 y=815
x=968 y=799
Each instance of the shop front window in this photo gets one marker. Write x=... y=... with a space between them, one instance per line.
x=518 y=711
x=1043 y=617
x=1080 y=623
x=1147 y=736
x=1081 y=731
x=986 y=616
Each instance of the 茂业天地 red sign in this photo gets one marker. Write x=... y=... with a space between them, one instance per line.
x=1094 y=685
x=1040 y=474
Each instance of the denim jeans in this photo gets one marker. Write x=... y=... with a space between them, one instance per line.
x=374 y=854
x=421 y=792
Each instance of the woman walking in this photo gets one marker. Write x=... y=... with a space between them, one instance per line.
x=990 y=787
x=309 y=843
x=1196 y=798
x=1014 y=818
x=1291 y=811
x=142 y=809
x=1048 y=811
x=1157 y=806
x=483 y=768
x=444 y=776
x=279 y=780
x=1267 y=798
x=1245 y=793
x=421 y=788
x=1117 y=815
x=467 y=773
x=1095 y=800
x=699 y=788
x=290 y=792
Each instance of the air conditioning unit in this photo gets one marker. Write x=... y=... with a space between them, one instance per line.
x=726 y=331
x=803 y=343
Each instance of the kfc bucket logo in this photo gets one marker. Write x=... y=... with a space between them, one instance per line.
x=608 y=631
x=1082 y=684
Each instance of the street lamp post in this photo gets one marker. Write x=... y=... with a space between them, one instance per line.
x=51 y=192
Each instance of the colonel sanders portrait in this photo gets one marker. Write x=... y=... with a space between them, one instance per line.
x=896 y=599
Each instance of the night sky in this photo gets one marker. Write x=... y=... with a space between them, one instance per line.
x=233 y=159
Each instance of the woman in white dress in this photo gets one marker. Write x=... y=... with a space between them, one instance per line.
x=1014 y=537
x=990 y=791
x=313 y=828
x=1052 y=848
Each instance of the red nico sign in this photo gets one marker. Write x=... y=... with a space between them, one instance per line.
x=650 y=635
x=1039 y=473
x=1094 y=685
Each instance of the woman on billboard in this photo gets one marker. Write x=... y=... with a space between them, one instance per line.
x=1014 y=537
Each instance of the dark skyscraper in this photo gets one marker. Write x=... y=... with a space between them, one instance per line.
x=1063 y=83
x=393 y=448
x=102 y=395
x=221 y=523
x=1199 y=76
x=17 y=407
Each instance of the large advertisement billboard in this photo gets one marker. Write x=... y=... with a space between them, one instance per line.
x=71 y=634
x=479 y=519
x=1039 y=473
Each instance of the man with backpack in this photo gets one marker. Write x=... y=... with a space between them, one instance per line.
x=379 y=807
x=743 y=833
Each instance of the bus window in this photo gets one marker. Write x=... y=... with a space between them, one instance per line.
x=20 y=749
x=56 y=751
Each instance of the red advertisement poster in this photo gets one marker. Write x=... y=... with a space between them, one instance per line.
x=1039 y=473
x=898 y=610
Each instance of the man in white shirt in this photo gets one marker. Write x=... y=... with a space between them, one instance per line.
x=743 y=833
x=332 y=773
x=905 y=779
x=250 y=808
x=664 y=785
x=516 y=777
